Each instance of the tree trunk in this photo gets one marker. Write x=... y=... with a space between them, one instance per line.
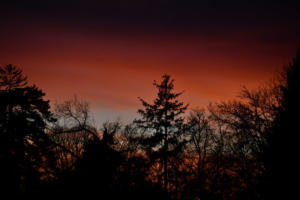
x=165 y=173
x=166 y=162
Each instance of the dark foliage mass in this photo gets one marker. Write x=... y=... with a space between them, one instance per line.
x=240 y=149
x=25 y=149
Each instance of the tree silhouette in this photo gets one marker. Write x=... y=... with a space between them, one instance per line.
x=25 y=149
x=247 y=121
x=282 y=151
x=164 y=122
x=200 y=153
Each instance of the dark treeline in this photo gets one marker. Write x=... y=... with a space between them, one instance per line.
x=240 y=149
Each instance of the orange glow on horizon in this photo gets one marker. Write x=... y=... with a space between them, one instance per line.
x=110 y=71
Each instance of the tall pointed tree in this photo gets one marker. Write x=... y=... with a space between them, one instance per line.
x=163 y=122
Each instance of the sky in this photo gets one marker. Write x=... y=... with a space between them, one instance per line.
x=108 y=53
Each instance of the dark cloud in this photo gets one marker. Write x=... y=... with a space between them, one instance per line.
x=157 y=12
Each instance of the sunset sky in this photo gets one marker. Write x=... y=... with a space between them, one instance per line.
x=109 y=52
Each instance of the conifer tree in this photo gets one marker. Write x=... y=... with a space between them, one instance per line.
x=163 y=122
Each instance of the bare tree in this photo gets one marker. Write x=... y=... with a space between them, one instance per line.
x=71 y=130
x=200 y=138
x=247 y=122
